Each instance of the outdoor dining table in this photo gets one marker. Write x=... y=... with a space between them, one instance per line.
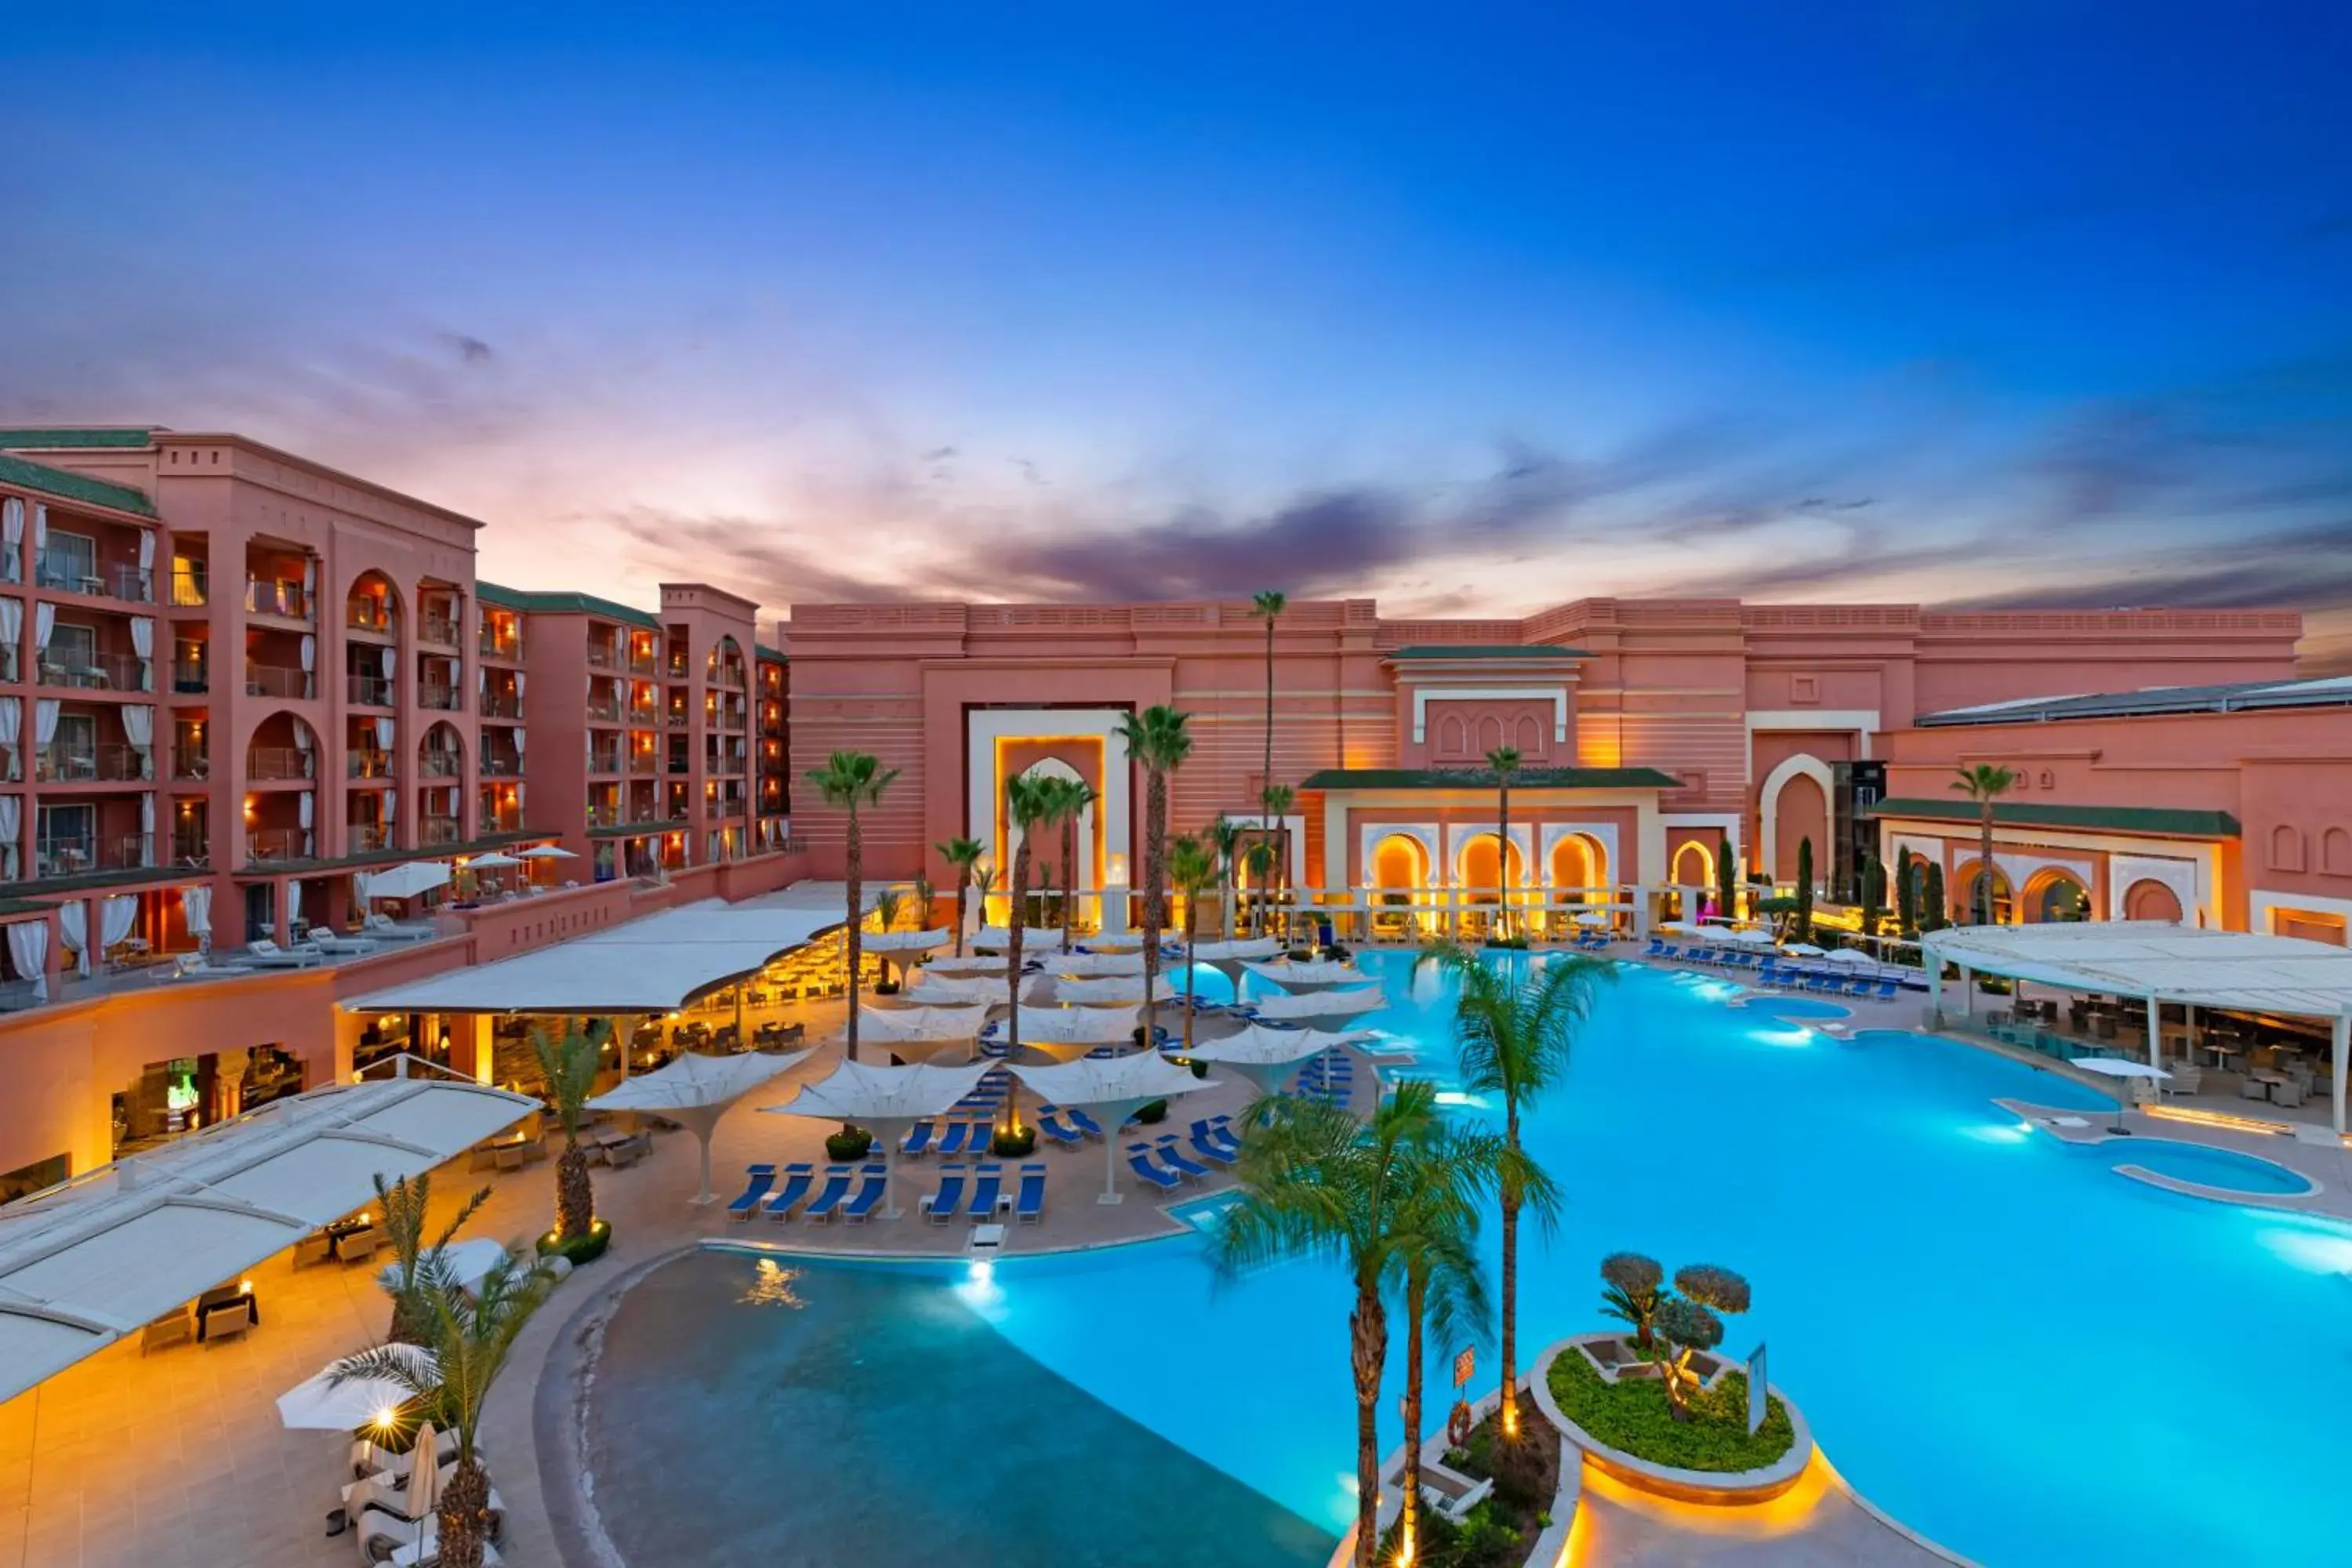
x=342 y=1230
x=221 y=1298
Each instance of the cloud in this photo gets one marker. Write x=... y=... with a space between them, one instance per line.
x=469 y=349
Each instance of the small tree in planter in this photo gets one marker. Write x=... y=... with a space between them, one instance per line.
x=887 y=905
x=1684 y=1329
x=1874 y=896
x=1634 y=1285
x=1803 y=924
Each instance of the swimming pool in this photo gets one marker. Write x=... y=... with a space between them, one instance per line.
x=1996 y=1340
x=2207 y=1167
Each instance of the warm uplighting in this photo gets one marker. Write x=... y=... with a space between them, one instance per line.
x=1510 y=1413
x=2215 y=1119
x=384 y=1418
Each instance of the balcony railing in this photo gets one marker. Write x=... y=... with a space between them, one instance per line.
x=368 y=615
x=495 y=766
x=191 y=585
x=443 y=699
x=192 y=847
x=274 y=765
x=72 y=855
x=371 y=691
x=642 y=664
x=281 y=596
x=608 y=761
x=369 y=836
x=192 y=678
x=602 y=658
x=437 y=830
x=96 y=672
x=278 y=843
x=57 y=764
x=69 y=574
x=730 y=676
x=439 y=630
x=643 y=765
x=644 y=716
x=675 y=719
x=191 y=762
x=507 y=646
x=370 y=765
x=276 y=680
x=606 y=712
x=438 y=764
x=501 y=705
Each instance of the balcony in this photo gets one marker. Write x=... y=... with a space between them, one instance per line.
x=370 y=765
x=439 y=764
x=675 y=719
x=369 y=691
x=501 y=705
x=679 y=765
x=281 y=596
x=190 y=586
x=191 y=678
x=601 y=657
x=442 y=698
x=75 y=574
x=504 y=819
x=191 y=762
x=605 y=814
x=276 y=680
x=607 y=712
x=59 y=763
x=192 y=847
x=644 y=716
x=606 y=761
x=76 y=855
x=502 y=645
x=441 y=631
x=643 y=765
x=642 y=664
x=277 y=764
x=96 y=672
x=277 y=843
x=432 y=830
x=495 y=766
x=365 y=614
x=366 y=836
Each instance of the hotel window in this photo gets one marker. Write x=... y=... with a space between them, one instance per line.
x=72 y=651
x=70 y=561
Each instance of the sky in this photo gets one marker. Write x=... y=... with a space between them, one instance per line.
x=1471 y=309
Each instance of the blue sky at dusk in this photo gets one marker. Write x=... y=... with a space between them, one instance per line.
x=1470 y=308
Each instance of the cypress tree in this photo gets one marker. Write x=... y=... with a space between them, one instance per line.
x=1873 y=894
x=1726 y=888
x=1805 y=888
x=1906 y=893
x=1931 y=916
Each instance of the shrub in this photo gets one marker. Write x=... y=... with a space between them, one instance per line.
x=1631 y=1417
x=1713 y=1286
x=1153 y=1114
x=886 y=988
x=851 y=1143
x=1684 y=1329
x=585 y=1247
x=1013 y=1145
x=1631 y=1296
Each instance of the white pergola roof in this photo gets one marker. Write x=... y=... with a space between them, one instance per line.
x=1085 y=965
x=90 y=1262
x=1294 y=975
x=864 y=1093
x=896 y=1025
x=904 y=940
x=1237 y=949
x=1301 y=1007
x=1116 y=990
x=651 y=965
x=931 y=990
x=1034 y=940
x=696 y=1090
x=2191 y=965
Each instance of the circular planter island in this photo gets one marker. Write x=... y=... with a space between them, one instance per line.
x=1600 y=1378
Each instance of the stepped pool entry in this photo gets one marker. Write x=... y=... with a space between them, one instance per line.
x=1126 y=1406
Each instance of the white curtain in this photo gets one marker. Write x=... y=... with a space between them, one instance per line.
x=518 y=685
x=302 y=745
x=293 y=903
x=28 y=944
x=12 y=723
x=146 y=550
x=147 y=829
x=12 y=822
x=12 y=622
x=310 y=582
x=309 y=807
x=45 y=721
x=41 y=530
x=45 y=622
x=390 y=663
x=196 y=909
x=139 y=728
x=383 y=734
x=517 y=742
x=309 y=654
x=73 y=932
x=116 y=915
x=391 y=807
x=142 y=643
x=12 y=535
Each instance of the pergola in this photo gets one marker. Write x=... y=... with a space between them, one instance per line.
x=2159 y=962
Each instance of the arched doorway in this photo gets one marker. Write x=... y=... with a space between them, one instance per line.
x=1971 y=898
x=1048 y=851
x=1579 y=867
x=2150 y=900
x=1801 y=812
x=1480 y=873
x=2056 y=896
x=1398 y=873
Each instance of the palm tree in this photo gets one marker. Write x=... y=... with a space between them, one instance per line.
x=1261 y=860
x=1028 y=803
x=567 y=1062
x=1317 y=1182
x=468 y=1338
x=850 y=779
x=1984 y=784
x=1514 y=1038
x=1505 y=761
x=1225 y=837
x=1277 y=799
x=962 y=854
x=1267 y=606
x=1159 y=740
x=404 y=1203
x=1192 y=871
x=1071 y=799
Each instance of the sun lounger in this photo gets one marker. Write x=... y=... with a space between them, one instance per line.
x=828 y=1201
x=1888 y=991
x=758 y=1179
x=1217 y=1134
x=1210 y=1149
x=917 y=1142
x=337 y=946
x=1138 y=1160
x=1030 y=1205
x=1051 y=1124
x=1083 y=1122
x=798 y=1178
x=1173 y=1158
x=384 y=928
x=871 y=1191
x=267 y=955
x=947 y=1201
x=950 y=1141
x=987 y=1191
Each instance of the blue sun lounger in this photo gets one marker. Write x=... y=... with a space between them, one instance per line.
x=759 y=1179
x=918 y=1143
x=1175 y=1160
x=1051 y=1124
x=942 y=1205
x=1091 y=1127
x=1030 y=1205
x=1138 y=1160
x=987 y=1191
x=788 y=1197
x=1216 y=1131
x=1888 y=991
x=870 y=1192
x=827 y=1202
x=951 y=1142
x=1209 y=1149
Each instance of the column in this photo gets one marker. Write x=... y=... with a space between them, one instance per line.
x=1935 y=969
x=2155 y=1033
x=2339 y=1032
x=471 y=1050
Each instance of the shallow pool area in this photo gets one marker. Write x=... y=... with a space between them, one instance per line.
x=2226 y=1169
x=1921 y=1260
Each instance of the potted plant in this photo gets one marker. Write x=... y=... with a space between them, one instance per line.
x=850 y=1143
x=1152 y=1114
x=1015 y=1142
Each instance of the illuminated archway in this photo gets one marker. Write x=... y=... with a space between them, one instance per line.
x=1579 y=866
x=2053 y=894
x=2150 y=900
x=1970 y=898
x=1693 y=865
x=1398 y=872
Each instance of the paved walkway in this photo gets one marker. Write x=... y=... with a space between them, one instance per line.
x=1816 y=1524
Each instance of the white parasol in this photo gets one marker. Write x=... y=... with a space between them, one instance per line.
x=1266 y=1056
x=1115 y=1087
x=696 y=1090
x=886 y=1100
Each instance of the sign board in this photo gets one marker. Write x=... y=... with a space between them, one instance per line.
x=1759 y=1383
x=1465 y=1364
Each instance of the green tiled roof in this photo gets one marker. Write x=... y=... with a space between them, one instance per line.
x=776 y=654
x=90 y=881
x=563 y=603
x=40 y=477
x=2178 y=824
x=91 y=435
x=1480 y=779
x=637 y=829
x=1486 y=650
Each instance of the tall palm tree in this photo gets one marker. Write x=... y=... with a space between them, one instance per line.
x=1159 y=740
x=962 y=854
x=1277 y=799
x=567 y=1064
x=1267 y=606
x=1514 y=1038
x=404 y=1203
x=1028 y=804
x=1317 y=1182
x=1192 y=871
x=1225 y=837
x=1261 y=858
x=467 y=1339
x=1984 y=784
x=1505 y=761
x=851 y=780
x=1071 y=799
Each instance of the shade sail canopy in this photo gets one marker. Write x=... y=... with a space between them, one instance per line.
x=1236 y=951
x=1033 y=938
x=466 y=1263
x=2110 y=1066
x=548 y=852
x=904 y=940
x=952 y=967
x=896 y=1025
x=1087 y=965
x=320 y=1403
x=490 y=861
x=1115 y=1087
x=2191 y=964
x=1077 y=1026
x=1266 y=1057
x=651 y=965
x=405 y=881
x=90 y=1262
x=867 y=1094
x=1850 y=956
x=935 y=990
x=1116 y=942
x=1116 y=990
x=1320 y=1005
x=696 y=1090
x=1295 y=976
x=1804 y=950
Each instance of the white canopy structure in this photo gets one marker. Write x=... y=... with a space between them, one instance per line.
x=1116 y=942
x=901 y=1028
x=1266 y=1056
x=1230 y=956
x=970 y=965
x=404 y=881
x=886 y=1100
x=1064 y=1031
x=88 y=1263
x=2159 y=961
x=1292 y=975
x=1034 y=940
x=1087 y=965
x=1115 y=1087
x=468 y=1263
x=1116 y=990
x=492 y=861
x=932 y=989
x=1320 y=1007
x=320 y=1403
x=904 y=940
x=695 y=1089
x=651 y=965
x=548 y=852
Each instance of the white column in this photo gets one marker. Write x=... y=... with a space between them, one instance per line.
x=2339 y=1034
x=1968 y=993
x=2155 y=1034
x=1935 y=968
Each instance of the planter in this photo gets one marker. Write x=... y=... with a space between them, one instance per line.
x=1732 y=1488
x=1013 y=1145
x=844 y=1148
x=579 y=1250
x=1153 y=1114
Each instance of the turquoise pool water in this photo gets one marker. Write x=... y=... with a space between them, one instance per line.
x=1997 y=1339
x=2224 y=1168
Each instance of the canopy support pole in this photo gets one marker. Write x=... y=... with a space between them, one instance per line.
x=2155 y=1033
x=1935 y=990
x=2340 y=1035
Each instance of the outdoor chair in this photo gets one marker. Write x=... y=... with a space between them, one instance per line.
x=798 y=1178
x=270 y=955
x=1138 y=1160
x=2188 y=1078
x=758 y=1180
x=171 y=1329
x=230 y=1322
x=359 y=1245
x=2250 y=1088
x=329 y=942
x=828 y=1202
x=2287 y=1093
x=1029 y=1205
